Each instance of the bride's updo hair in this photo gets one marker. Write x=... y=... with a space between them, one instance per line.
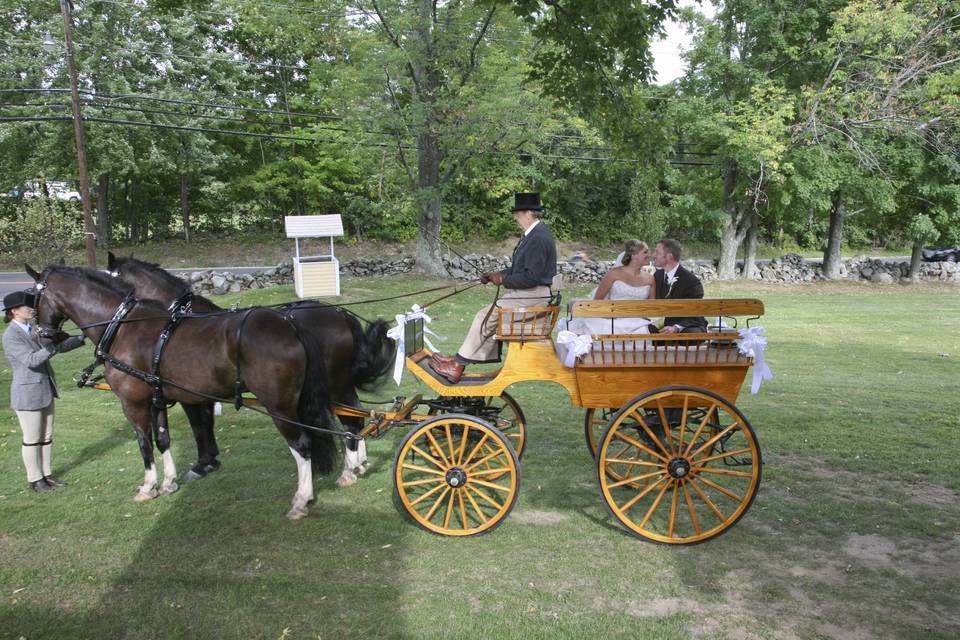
x=632 y=247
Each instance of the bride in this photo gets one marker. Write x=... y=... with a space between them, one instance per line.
x=629 y=282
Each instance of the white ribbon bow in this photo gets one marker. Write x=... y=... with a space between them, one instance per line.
x=397 y=334
x=577 y=345
x=753 y=344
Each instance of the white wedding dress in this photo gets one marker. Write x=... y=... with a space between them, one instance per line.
x=619 y=291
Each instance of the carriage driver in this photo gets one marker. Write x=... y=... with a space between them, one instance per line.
x=33 y=388
x=527 y=280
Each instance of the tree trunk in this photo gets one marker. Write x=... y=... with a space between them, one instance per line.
x=831 y=257
x=185 y=206
x=735 y=227
x=915 y=257
x=104 y=230
x=429 y=200
x=750 y=259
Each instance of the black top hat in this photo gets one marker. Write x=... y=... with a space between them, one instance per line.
x=17 y=299
x=527 y=202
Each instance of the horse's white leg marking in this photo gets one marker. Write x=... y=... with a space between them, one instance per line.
x=351 y=460
x=362 y=450
x=304 y=492
x=169 y=474
x=149 y=489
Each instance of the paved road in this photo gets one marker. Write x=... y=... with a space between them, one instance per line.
x=17 y=281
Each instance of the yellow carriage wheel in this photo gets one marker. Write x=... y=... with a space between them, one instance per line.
x=678 y=465
x=510 y=420
x=594 y=423
x=456 y=475
x=505 y=414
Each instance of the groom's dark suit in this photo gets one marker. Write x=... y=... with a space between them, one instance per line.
x=685 y=285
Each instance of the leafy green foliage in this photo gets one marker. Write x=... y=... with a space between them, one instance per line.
x=41 y=230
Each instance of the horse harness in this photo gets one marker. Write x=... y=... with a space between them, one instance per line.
x=179 y=309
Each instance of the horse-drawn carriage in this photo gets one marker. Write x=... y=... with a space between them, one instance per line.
x=676 y=461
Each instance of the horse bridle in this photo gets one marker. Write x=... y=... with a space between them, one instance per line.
x=39 y=288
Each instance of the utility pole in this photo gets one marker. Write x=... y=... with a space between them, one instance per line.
x=89 y=237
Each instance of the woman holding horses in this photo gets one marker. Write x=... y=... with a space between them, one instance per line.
x=33 y=388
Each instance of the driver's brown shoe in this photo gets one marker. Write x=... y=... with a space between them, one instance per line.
x=452 y=371
x=439 y=359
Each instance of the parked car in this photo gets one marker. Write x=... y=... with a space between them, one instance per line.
x=56 y=190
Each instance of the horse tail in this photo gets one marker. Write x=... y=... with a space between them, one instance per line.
x=373 y=353
x=314 y=405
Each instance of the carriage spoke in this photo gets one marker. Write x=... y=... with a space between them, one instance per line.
x=724 y=472
x=476 y=448
x=707 y=500
x=493 y=503
x=489 y=485
x=693 y=512
x=429 y=458
x=712 y=440
x=719 y=456
x=635 y=462
x=665 y=424
x=449 y=512
x=633 y=479
x=417 y=483
x=496 y=471
x=438 y=449
x=426 y=495
x=713 y=485
x=436 y=504
x=656 y=503
x=639 y=445
x=650 y=435
x=415 y=467
x=673 y=508
x=683 y=423
x=463 y=510
x=637 y=498
x=463 y=446
x=700 y=427
x=446 y=429
x=490 y=456
x=475 y=506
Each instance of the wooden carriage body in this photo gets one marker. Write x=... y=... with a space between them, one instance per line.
x=620 y=366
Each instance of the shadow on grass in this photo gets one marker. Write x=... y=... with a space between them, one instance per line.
x=92 y=452
x=220 y=560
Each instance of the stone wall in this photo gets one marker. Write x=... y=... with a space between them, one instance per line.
x=791 y=268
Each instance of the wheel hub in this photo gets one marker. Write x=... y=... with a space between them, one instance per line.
x=456 y=477
x=679 y=468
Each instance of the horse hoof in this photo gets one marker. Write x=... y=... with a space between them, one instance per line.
x=168 y=488
x=211 y=466
x=143 y=496
x=297 y=513
x=362 y=469
x=192 y=475
x=346 y=479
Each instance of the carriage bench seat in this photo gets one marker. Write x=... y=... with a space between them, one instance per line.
x=525 y=324
x=715 y=347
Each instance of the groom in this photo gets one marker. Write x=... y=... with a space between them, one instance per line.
x=673 y=282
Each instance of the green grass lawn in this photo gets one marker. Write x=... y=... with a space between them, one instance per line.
x=854 y=532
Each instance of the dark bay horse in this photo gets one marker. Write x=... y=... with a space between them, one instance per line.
x=219 y=355
x=354 y=357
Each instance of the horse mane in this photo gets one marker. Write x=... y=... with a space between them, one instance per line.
x=95 y=276
x=156 y=270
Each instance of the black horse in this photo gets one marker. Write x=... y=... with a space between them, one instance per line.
x=217 y=355
x=359 y=358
